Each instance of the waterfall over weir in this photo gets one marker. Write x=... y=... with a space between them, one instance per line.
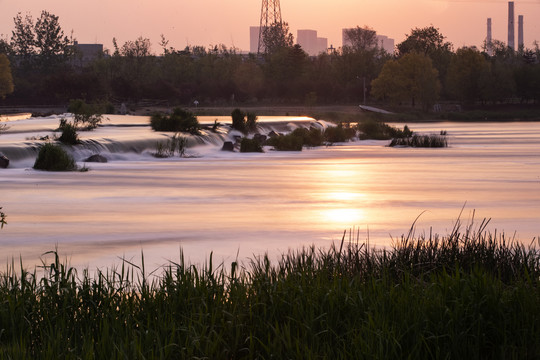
x=128 y=137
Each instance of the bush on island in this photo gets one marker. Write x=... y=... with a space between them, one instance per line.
x=377 y=130
x=339 y=134
x=251 y=122
x=69 y=133
x=87 y=115
x=310 y=137
x=426 y=141
x=290 y=142
x=238 y=120
x=179 y=121
x=52 y=157
x=244 y=122
x=250 y=145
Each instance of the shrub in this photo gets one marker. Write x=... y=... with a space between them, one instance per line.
x=52 y=157
x=428 y=141
x=310 y=137
x=69 y=133
x=2 y=219
x=238 y=120
x=251 y=122
x=89 y=116
x=250 y=145
x=290 y=142
x=339 y=134
x=176 y=144
x=179 y=121
x=373 y=129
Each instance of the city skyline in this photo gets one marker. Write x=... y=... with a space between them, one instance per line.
x=203 y=23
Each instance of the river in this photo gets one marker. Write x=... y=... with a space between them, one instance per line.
x=237 y=205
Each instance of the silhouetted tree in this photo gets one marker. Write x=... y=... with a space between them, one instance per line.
x=22 y=37
x=277 y=36
x=430 y=42
x=50 y=42
x=139 y=48
x=361 y=39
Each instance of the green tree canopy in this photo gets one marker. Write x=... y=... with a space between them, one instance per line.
x=411 y=77
x=466 y=70
x=426 y=41
x=6 y=80
x=430 y=42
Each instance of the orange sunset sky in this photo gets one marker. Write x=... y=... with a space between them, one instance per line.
x=211 y=22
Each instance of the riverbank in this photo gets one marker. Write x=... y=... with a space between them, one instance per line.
x=337 y=113
x=469 y=294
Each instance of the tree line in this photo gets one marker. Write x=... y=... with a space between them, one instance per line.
x=39 y=64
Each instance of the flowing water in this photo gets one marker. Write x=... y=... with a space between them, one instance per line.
x=239 y=205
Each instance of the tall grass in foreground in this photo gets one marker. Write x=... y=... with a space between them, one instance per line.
x=469 y=294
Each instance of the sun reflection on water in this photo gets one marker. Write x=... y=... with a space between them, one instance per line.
x=344 y=216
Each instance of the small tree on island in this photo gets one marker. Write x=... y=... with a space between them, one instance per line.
x=240 y=123
x=179 y=121
x=87 y=115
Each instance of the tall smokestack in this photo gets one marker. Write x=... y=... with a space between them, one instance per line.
x=488 y=38
x=511 y=25
x=520 y=32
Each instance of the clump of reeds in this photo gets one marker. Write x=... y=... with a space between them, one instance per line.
x=470 y=294
x=427 y=141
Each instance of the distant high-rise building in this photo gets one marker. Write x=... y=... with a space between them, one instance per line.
x=311 y=43
x=511 y=43
x=254 y=39
x=520 y=32
x=489 y=39
x=307 y=39
x=322 y=45
x=386 y=43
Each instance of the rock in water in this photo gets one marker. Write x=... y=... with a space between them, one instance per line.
x=4 y=161
x=228 y=146
x=97 y=159
x=261 y=139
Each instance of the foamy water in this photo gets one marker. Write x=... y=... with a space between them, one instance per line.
x=243 y=205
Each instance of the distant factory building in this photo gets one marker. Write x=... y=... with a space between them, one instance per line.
x=311 y=43
x=86 y=53
x=489 y=38
x=511 y=43
x=520 y=32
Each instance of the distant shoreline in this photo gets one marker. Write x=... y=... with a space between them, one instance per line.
x=337 y=113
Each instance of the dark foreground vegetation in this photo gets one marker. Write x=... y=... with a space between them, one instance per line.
x=466 y=295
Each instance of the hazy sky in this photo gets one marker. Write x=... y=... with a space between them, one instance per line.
x=210 y=22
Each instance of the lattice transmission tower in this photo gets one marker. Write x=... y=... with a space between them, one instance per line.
x=270 y=14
